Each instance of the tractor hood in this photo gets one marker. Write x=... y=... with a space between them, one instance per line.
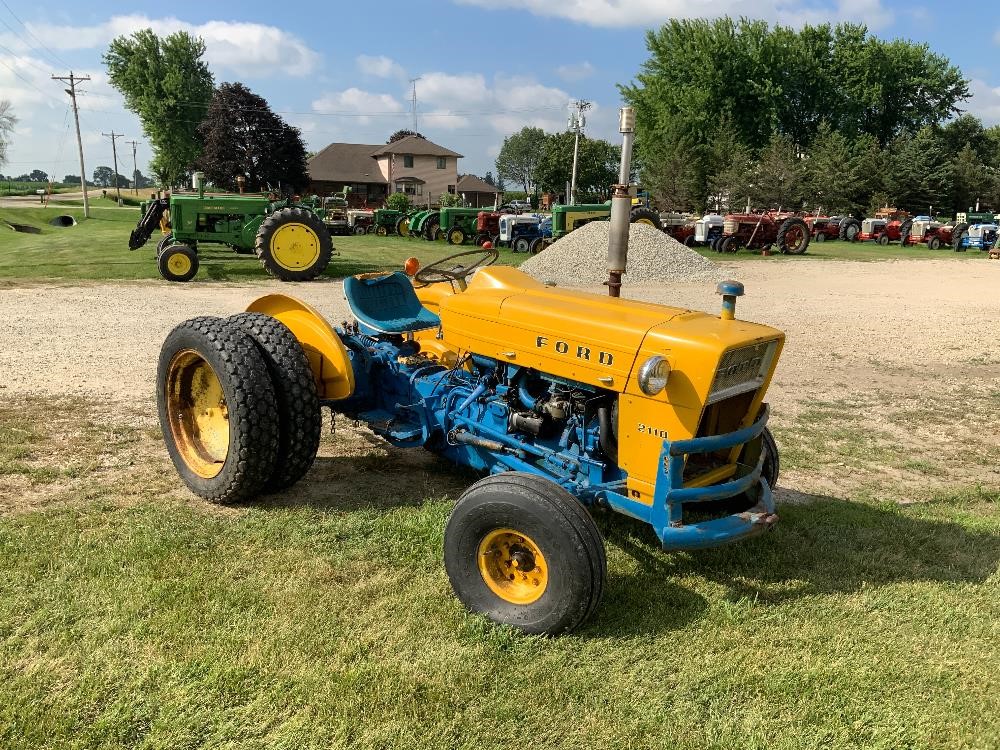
x=507 y=315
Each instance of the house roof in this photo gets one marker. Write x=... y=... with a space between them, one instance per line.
x=345 y=162
x=469 y=183
x=414 y=144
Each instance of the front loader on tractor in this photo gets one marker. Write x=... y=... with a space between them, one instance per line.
x=568 y=403
x=289 y=239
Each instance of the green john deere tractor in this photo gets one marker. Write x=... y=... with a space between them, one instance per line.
x=567 y=218
x=289 y=238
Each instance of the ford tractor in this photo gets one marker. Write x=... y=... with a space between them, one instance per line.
x=924 y=230
x=823 y=228
x=289 y=239
x=708 y=229
x=567 y=403
x=521 y=232
x=680 y=227
x=976 y=236
x=762 y=231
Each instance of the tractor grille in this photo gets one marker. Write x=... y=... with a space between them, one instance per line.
x=742 y=370
x=730 y=226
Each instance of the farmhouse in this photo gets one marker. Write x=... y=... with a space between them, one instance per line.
x=413 y=165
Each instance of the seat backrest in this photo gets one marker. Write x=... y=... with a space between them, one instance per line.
x=386 y=303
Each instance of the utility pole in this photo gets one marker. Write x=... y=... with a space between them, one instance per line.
x=114 y=155
x=73 y=81
x=577 y=122
x=135 y=169
x=413 y=82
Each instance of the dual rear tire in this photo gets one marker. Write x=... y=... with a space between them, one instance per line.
x=238 y=406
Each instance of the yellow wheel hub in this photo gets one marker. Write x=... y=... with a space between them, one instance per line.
x=404 y=226
x=513 y=566
x=456 y=237
x=178 y=264
x=647 y=222
x=197 y=412
x=294 y=246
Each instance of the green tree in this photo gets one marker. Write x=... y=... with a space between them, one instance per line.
x=731 y=182
x=969 y=178
x=519 y=157
x=401 y=134
x=919 y=171
x=168 y=85
x=104 y=177
x=242 y=136
x=7 y=123
x=449 y=199
x=597 y=165
x=669 y=171
x=398 y=202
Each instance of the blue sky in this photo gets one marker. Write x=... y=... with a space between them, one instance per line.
x=340 y=71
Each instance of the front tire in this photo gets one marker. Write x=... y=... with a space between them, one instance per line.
x=217 y=410
x=177 y=263
x=294 y=245
x=456 y=236
x=537 y=245
x=956 y=236
x=166 y=241
x=299 y=418
x=849 y=229
x=523 y=552
x=522 y=245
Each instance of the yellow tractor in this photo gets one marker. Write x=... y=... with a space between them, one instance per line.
x=568 y=403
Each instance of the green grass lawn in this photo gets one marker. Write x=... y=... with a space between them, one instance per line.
x=98 y=249
x=11 y=188
x=131 y=616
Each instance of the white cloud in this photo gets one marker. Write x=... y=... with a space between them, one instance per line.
x=985 y=101
x=379 y=66
x=575 y=72
x=245 y=48
x=357 y=102
x=619 y=13
x=448 y=89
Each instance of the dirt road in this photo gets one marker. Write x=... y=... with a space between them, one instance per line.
x=869 y=344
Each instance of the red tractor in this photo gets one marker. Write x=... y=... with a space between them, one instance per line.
x=761 y=231
x=488 y=227
x=927 y=231
x=888 y=225
x=823 y=228
x=680 y=227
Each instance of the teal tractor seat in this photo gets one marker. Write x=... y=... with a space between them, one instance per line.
x=388 y=304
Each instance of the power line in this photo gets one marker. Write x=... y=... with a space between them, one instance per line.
x=73 y=80
x=135 y=169
x=52 y=54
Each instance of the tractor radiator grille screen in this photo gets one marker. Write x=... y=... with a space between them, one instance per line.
x=730 y=226
x=742 y=370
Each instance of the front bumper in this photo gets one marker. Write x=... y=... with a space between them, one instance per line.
x=665 y=515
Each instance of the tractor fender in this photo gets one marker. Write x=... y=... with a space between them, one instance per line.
x=327 y=355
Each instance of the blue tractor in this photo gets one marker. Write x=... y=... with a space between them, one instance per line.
x=565 y=402
x=976 y=237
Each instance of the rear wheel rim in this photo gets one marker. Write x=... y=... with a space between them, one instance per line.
x=197 y=413
x=793 y=238
x=513 y=566
x=456 y=237
x=644 y=220
x=178 y=263
x=295 y=246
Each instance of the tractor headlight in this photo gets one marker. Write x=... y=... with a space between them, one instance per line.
x=653 y=375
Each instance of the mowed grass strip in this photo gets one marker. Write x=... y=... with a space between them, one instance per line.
x=97 y=249
x=132 y=615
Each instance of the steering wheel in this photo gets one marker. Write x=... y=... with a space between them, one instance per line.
x=437 y=271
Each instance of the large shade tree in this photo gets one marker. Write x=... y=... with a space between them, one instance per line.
x=242 y=136
x=519 y=157
x=7 y=123
x=168 y=85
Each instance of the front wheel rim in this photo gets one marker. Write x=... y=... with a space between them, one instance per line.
x=197 y=413
x=512 y=566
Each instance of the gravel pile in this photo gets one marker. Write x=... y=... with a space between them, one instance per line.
x=581 y=258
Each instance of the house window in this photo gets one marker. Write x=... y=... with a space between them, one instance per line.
x=451 y=188
x=410 y=188
x=442 y=162
x=408 y=161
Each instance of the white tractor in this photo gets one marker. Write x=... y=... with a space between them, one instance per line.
x=708 y=229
